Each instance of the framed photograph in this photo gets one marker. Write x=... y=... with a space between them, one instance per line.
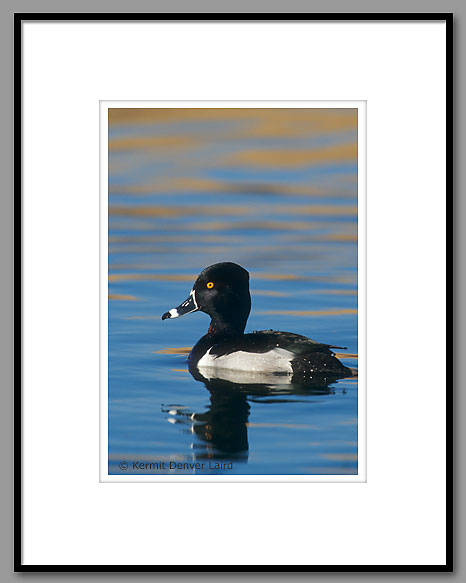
x=226 y=273
x=265 y=195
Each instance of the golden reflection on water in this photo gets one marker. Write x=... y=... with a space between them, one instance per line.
x=174 y=239
x=203 y=185
x=256 y=225
x=122 y=297
x=152 y=142
x=339 y=232
x=114 y=277
x=259 y=122
x=147 y=249
x=337 y=238
x=343 y=312
x=233 y=211
x=285 y=181
x=334 y=292
x=191 y=278
x=279 y=276
x=149 y=277
x=183 y=211
x=215 y=225
x=270 y=293
x=219 y=250
x=292 y=157
x=175 y=350
x=187 y=350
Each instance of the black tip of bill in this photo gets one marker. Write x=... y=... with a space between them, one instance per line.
x=173 y=313
x=188 y=306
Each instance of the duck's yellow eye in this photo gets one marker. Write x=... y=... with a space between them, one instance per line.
x=210 y=285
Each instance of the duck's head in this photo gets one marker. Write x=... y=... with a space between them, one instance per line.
x=222 y=292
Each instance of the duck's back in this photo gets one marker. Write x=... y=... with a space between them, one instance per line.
x=270 y=351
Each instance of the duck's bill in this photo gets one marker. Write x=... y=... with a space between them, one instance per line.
x=188 y=306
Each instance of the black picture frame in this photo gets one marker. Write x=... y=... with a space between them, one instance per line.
x=19 y=18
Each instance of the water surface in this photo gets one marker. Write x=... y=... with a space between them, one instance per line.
x=275 y=191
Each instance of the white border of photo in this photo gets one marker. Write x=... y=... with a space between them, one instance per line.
x=398 y=515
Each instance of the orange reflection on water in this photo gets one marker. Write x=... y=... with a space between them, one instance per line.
x=113 y=277
x=182 y=211
x=175 y=350
x=194 y=184
x=334 y=292
x=151 y=142
x=344 y=312
x=122 y=297
x=265 y=292
x=149 y=277
x=233 y=211
x=168 y=238
x=258 y=122
x=293 y=157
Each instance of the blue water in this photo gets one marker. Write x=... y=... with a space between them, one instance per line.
x=251 y=187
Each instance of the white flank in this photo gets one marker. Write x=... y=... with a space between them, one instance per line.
x=275 y=360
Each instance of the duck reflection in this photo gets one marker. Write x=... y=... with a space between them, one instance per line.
x=223 y=428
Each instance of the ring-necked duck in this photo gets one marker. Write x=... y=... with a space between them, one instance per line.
x=222 y=292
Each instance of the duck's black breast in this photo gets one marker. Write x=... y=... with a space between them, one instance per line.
x=285 y=351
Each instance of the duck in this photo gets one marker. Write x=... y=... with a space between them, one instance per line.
x=222 y=291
